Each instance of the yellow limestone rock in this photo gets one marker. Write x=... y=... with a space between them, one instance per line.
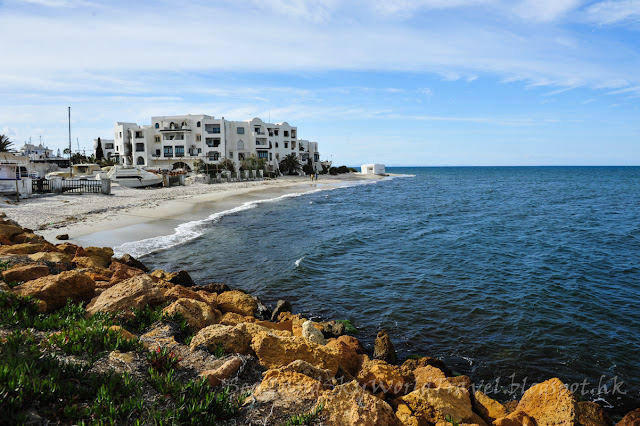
x=350 y=404
x=550 y=403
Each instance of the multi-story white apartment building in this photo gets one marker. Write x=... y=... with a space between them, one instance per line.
x=108 y=147
x=178 y=141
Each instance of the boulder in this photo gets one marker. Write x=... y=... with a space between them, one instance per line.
x=349 y=404
x=333 y=329
x=411 y=364
x=22 y=273
x=104 y=253
x=54 y=290
x=231 y=318
x=28 y=237
x=123 y=332
x=303 y=367
x=53 y=257
x=462 y=381
x=62 y=237
x=224 y=372
x=285 y=386
x=9 y=231
x=279 y=326
x=234 y=339
x=353 y=342
x=383 y=348
x=632 y=418
x=67 y=248
x=262 y=312
x=238 y=302
x=136 y=292
x=210 y=299
x=27 y=248
x=195 y=312
x=275 y=352
x=281 y=306
x=215 y=288
x=129 y=260
x=591 y=414
x=517 y=418
x=181 y=292
x=312 y=334
x=489 y=409
x=348 y=357
x=550 y=403
x=431 y=406
x=123 y=272
x=181 y=277
x=430 y=377
x=89 y=262
x=379 y=376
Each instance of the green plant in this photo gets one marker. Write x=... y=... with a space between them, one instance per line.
x=305 y=419
x=163 y=359
x=348 y=326
x=4 y=265
x=219 y=351
x=143 y=319
x=451 y=420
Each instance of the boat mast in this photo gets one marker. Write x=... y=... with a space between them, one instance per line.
x=70 y=168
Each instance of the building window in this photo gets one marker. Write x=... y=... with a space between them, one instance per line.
x=179 y=150
x=293 y=133
x=172 y=125
x=180 y=137
x=139 y=147
x=216 y=129
x=263 y=154
x=240 y=130
x=270 y=157
x=156 y=138
x=214 y=142
x=198 y=138
x=108 y=146
x=275 y=132
x=240 y=146
x=168 y=151
x=157 y=125
x=286 y=133
x=139 y=134
x=198 y=124
x=157 y=153
x=213 y=155
x=199 y=150
x=120 y=135
x=184 y=124
x=276 y=144
x=286 y=145
x=140 y=161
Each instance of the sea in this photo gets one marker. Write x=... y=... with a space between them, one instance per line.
x=511 y=275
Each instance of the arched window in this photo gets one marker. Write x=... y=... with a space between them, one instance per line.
x=184 y=124
x=240 y=146
x=140 y=161
x=198 y=124
x=157 y=125
x=172 y=126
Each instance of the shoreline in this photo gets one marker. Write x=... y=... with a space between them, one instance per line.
x=129 y=215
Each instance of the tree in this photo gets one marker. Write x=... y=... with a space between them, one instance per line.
x=290 y=164
x=5 y=143
x=99 y=151
x=227 y=164
x=253 y=163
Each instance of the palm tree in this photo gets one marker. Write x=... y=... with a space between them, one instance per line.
x=290 y=164
x=5 y=143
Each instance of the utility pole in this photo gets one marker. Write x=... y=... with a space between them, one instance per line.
x=70 y=168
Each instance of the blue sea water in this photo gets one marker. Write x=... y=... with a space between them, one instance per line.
x=511 y=275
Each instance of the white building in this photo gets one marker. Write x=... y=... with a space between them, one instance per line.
x=172 y=142
x=372 y=169
x=35 y=152
x=108 y=147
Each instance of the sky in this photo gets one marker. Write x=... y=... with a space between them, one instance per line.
x=398 y=82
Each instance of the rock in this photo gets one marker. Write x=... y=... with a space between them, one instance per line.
x=215 y=288
x=489 y=409
x=181 y=292
x=517 y=418
x=461 y=381
x=632 y=418
x=349 y=359
x=550 y=403
x=238 y=302
x=104 y=280
x=195 y=312
x=24 y=273
x=591 y=414
x=280 y=326
x=53 y=257
x=285 y=386
x=28 y=237
x=263 y=312
x=89 y=262
x=224 y=372
x=383 y=348
x=62 y=237
x=161 y=334
x=210 y=299
x=67 y=248
x=4 y=286
x=281 y=306
x=431 y=406
x=231 y=318
x=124 y=357
x=332 y=329
x=181 y=277
x=54 y=290
x=353 y=342
x=377 y=375
x=312 y=334
x=303 y=367
x=10 y=231
x=136 y=292
x=349 y=404
x=123 y=272
x=253 y=329
x=123 y=332
x=234 y=339
x=27 y=248
x=275 y=352
x=5 y=241
x=104 y=253
x=411 y=364
x=430 y=377
x=129 y=260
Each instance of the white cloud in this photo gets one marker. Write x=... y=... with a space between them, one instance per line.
x=545 y=10
x=609 y=12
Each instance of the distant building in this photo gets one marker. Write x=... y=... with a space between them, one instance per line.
x=35 y=152
x=372 y=169
x=108 y=147
x=172 y=142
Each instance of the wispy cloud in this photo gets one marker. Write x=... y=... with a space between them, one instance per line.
x=609 y=12
x=545 y=10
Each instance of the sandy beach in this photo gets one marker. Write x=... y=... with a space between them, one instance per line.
x=134 y=214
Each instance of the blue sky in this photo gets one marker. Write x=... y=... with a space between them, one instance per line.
x=424 y=82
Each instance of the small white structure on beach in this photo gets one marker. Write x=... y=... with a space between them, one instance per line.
x=372 y=169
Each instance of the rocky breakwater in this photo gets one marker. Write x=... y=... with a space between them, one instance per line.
x=288 y=364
